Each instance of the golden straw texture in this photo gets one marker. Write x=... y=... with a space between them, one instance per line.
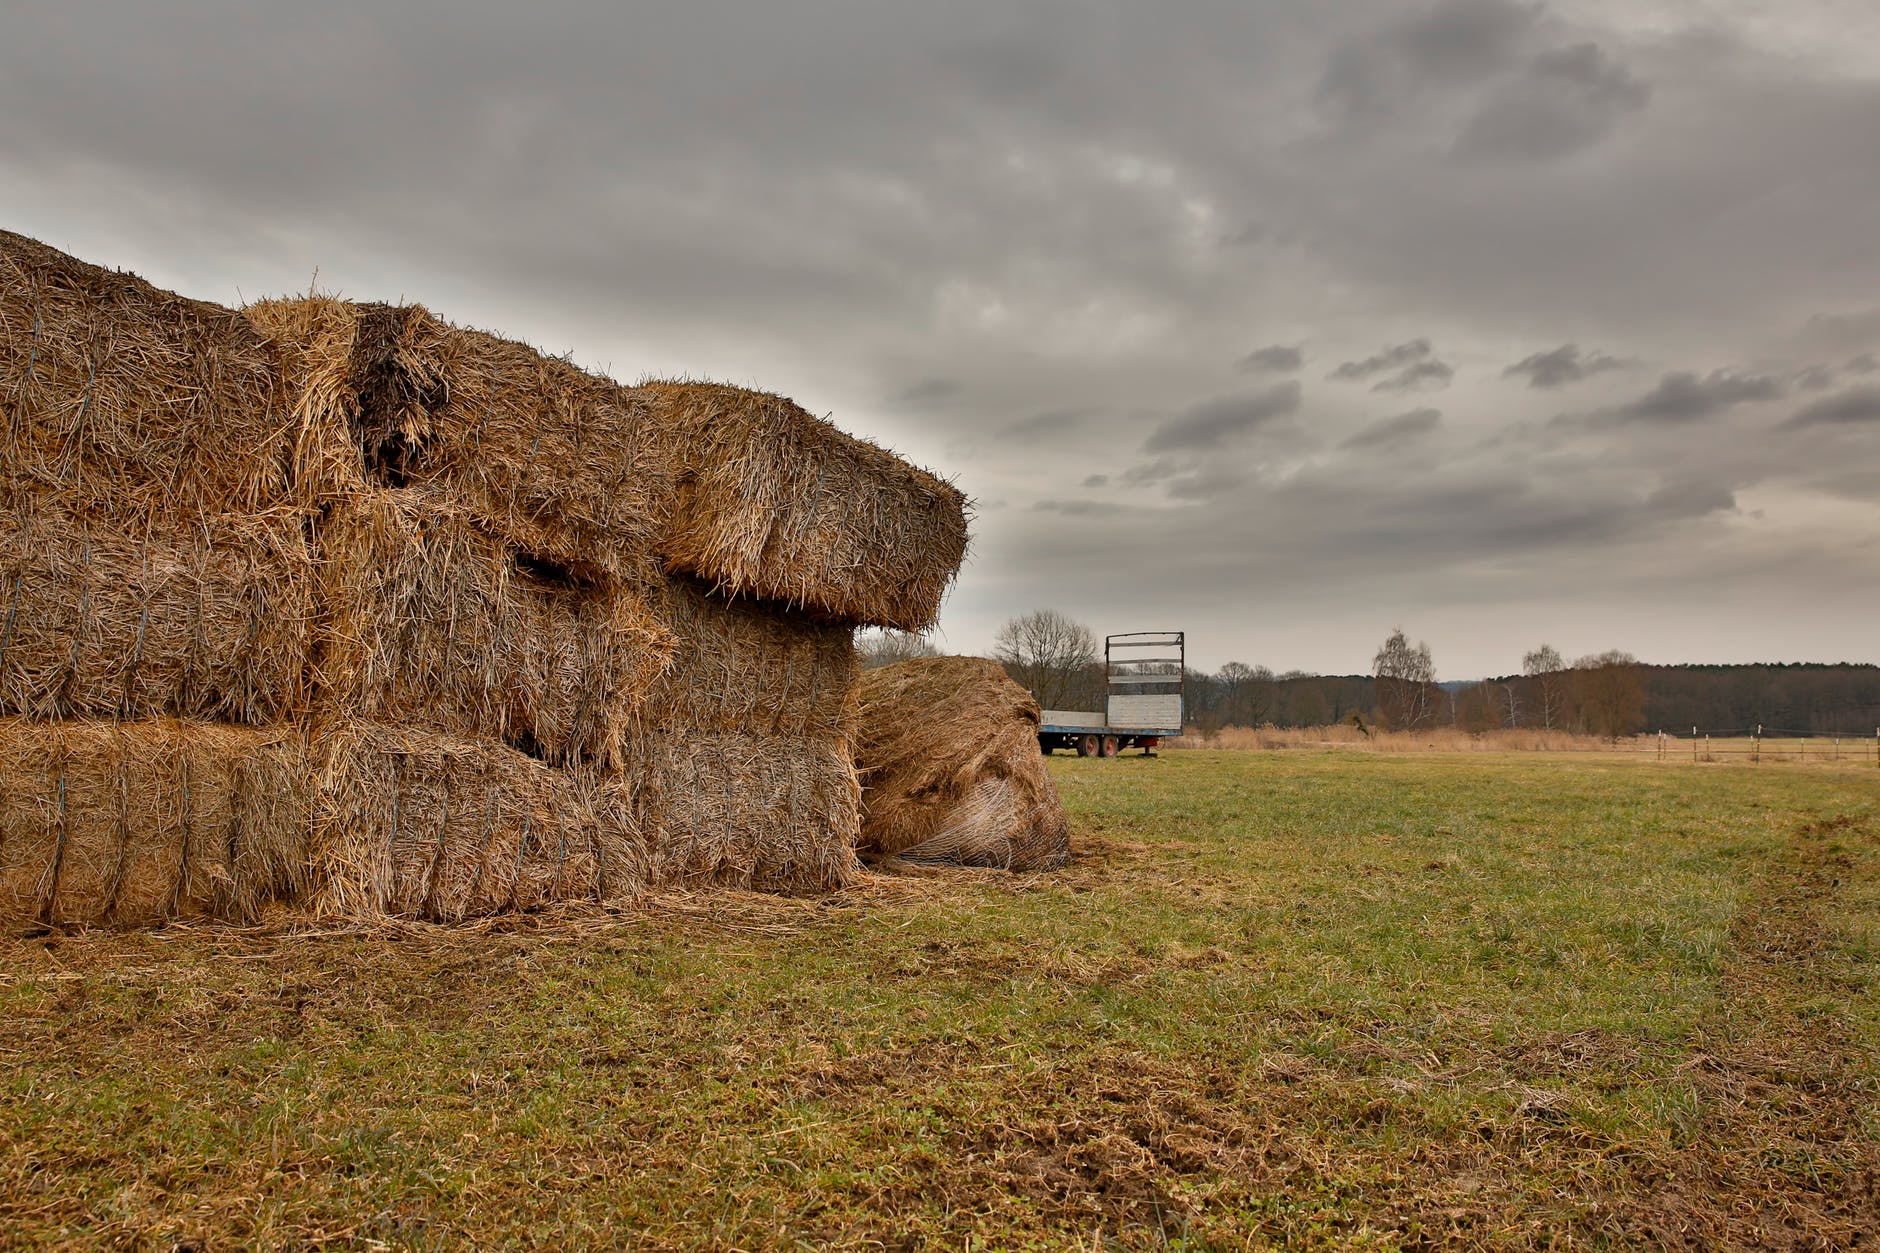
x=533 y=448
x=118 y=394
x=747 y=811
x=436 y=624
x=777 y=504
x=135 y=823
x=418 y=825
x=951 y=771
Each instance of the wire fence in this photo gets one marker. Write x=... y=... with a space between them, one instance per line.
x=1760 y=743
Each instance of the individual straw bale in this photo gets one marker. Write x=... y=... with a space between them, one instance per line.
x=437 y=624
x=418 y=825
x=102 y=615
x=775 y=503
x=948 y=754
x=112 y=390
x=535 y=449
x=760 y=812
x=135 y=823
x=749 y=666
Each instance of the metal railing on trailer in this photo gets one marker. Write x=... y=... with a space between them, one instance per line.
x=1143 y=705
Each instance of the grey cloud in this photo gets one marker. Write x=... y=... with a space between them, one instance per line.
x=1863 y=364
x=1389 y=359
x=1211 y=423
x=1074 y=508
x=1690 y=498
x=1423 y=376
x=927 y=394
x=1095 y=480
x=1453 y=44
x=1276 y=359
x=1685 y=397
x=1854 y=407
x=1560 y=366
x=1568 y=99
x=1049 y=422
x=1401 y=429
x=1843 y=332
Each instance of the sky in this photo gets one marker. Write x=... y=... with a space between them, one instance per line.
x=1283 y=324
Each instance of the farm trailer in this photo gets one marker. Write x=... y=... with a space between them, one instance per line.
x=1143 y=704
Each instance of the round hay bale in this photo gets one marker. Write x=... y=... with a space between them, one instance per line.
x=948 y=754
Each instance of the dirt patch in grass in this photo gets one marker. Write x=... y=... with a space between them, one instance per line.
x=1780 y=1160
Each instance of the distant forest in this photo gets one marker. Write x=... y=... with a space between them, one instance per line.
x=1616 y=699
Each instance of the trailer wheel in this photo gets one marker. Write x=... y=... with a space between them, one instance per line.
x=1109 y=746
x=1087 y=746
x=1044 y=747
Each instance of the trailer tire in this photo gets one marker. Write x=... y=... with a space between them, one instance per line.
x=1109 y=746
x=1087 y=746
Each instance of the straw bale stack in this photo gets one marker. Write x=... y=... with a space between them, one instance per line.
x=124 y=396
x=137 y=823
x=532 y=448
x=948 y=753
x=742 y=665
x=764 y=812
x=204 y=617
x=418 y=825
x=434 y=623
x=774 y=503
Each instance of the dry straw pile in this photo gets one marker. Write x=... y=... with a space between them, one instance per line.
x=342 y=603
x=948 y=753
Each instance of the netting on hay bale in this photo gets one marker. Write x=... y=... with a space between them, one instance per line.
x=434 y=623
x=136 y=823
x=532 y=448
x=741 y=665
x=122 y=395
x=418 y=825
x=774 y=503
x=948 y=753
x=769 y=813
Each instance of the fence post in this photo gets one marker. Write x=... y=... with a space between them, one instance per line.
x=1707 y=744
x=1661 y=746
x=1755 y=745
x=1693 y=745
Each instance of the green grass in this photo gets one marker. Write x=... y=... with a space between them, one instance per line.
x=1303 y=998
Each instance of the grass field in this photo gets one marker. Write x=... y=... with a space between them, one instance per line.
x=1315 y=998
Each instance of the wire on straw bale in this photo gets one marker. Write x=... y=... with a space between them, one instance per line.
x=535 y=449
x=436 y=624
x=777 y=504
x=134 y=823
x=948 y=754
x=202 y=616
x=418 y=825
x=749 y=666
x=761 y=812
x=115 y=391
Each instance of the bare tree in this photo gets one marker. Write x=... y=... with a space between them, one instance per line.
x=1611 y=691
x=1510 y=696
x=1246 y=693
x=1544 y=666
x=886 y=646
x=1406 y=682
x=1048 y=654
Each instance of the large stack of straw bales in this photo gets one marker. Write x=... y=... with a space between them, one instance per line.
x=339 y=602
x=948 y=751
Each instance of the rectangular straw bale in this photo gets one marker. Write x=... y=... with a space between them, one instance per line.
x=102 y=615
x=135 y=823
x=749 y=666
x=116 y=391
x=419 y=825
x=439 y=625
x=775 y=503
x=749 y=811
x=532 y=447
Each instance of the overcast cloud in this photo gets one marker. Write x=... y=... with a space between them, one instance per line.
x=1171 y=290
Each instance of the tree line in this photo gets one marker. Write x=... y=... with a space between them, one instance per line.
x=1610 y=694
